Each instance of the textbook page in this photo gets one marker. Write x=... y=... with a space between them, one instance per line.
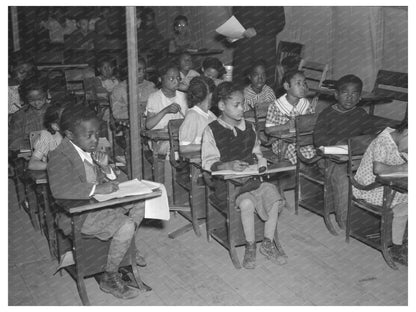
x=335 y=149
x=232 y=29
x=128 y=188
x=157 y=207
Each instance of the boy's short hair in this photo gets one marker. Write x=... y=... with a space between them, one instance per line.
x=213 y=62
x=166 y=66
x=101 y=59
x=256 y=63
x=33 y=84
x=290 y=74
x=72 y=116
x=223 y=92
x=147 y=11
x=179 y=18
x=142 y=60
x=199 y=88
x=349 y=79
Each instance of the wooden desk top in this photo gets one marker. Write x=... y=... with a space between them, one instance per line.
x=284 y=135
x=200 y=52
x=61 y=66
x=274 y=168
x=366 y=97
x=192 y=157
x=399 y=184
x=156 y=135
x=78 y=206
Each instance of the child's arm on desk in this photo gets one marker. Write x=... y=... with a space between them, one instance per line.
x=381 y=168
x=154 y=118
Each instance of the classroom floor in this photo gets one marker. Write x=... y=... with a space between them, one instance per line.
x=322 y=269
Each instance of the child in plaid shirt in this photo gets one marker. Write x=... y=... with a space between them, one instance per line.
x=288 y=106
x=257 y=92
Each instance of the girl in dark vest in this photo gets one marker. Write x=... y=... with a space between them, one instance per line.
x=231 y=143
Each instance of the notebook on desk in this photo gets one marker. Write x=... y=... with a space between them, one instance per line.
x=128 y=188
x=335 y=149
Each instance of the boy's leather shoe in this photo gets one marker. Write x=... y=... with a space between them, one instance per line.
x=112 y=283
x=399 y=254
x=249 y=261
x=269 y=250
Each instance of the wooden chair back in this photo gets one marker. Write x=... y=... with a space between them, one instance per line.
x=286 y=48
x=315 y=73
x=391 y=84
x=305 y=125
x=173 y=130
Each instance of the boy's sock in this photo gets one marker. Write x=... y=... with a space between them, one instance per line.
x=249 y=261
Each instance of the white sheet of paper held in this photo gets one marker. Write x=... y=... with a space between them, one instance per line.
x=232 y=29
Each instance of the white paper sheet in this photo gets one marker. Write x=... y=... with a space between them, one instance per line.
x=335 y=149
x=128 y=188
x=232 y=29
x=157 y=207
x=66 y=260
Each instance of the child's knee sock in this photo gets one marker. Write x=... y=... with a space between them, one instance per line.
x=119 y=245
x=271 y=223
x=399 y=223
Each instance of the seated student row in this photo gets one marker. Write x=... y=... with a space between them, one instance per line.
x=231 y=102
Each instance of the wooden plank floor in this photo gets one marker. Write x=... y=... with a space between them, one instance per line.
x=322 y=269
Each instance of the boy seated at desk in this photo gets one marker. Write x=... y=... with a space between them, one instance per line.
x=387 y=154
x=29 y=118
x=77 y=171
x=281 y=114
x=231 y=143
x=335 y=125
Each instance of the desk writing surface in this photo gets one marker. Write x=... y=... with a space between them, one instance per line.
x=284 y=135
x=274 y=168
x=199 y=52
x=156 y=135
x=399 y=184
x=77 y=206
x=193 y=157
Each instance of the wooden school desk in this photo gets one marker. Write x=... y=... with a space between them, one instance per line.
x=224 y=223
x=90 y=254
x=197 y=201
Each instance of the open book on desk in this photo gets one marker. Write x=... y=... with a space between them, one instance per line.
x=254 y=170
x=128 y=188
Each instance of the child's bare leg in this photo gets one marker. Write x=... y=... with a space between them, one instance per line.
x=111 y=281
x=268 y=246
x=247 y=219
x=271 y=223
x=137 y=214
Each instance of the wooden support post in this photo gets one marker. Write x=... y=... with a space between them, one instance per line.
x=135 y=140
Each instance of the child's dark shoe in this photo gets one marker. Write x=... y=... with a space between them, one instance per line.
x=269 y=250
x=249 y=261
x=399 y=254
x=112 y=283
